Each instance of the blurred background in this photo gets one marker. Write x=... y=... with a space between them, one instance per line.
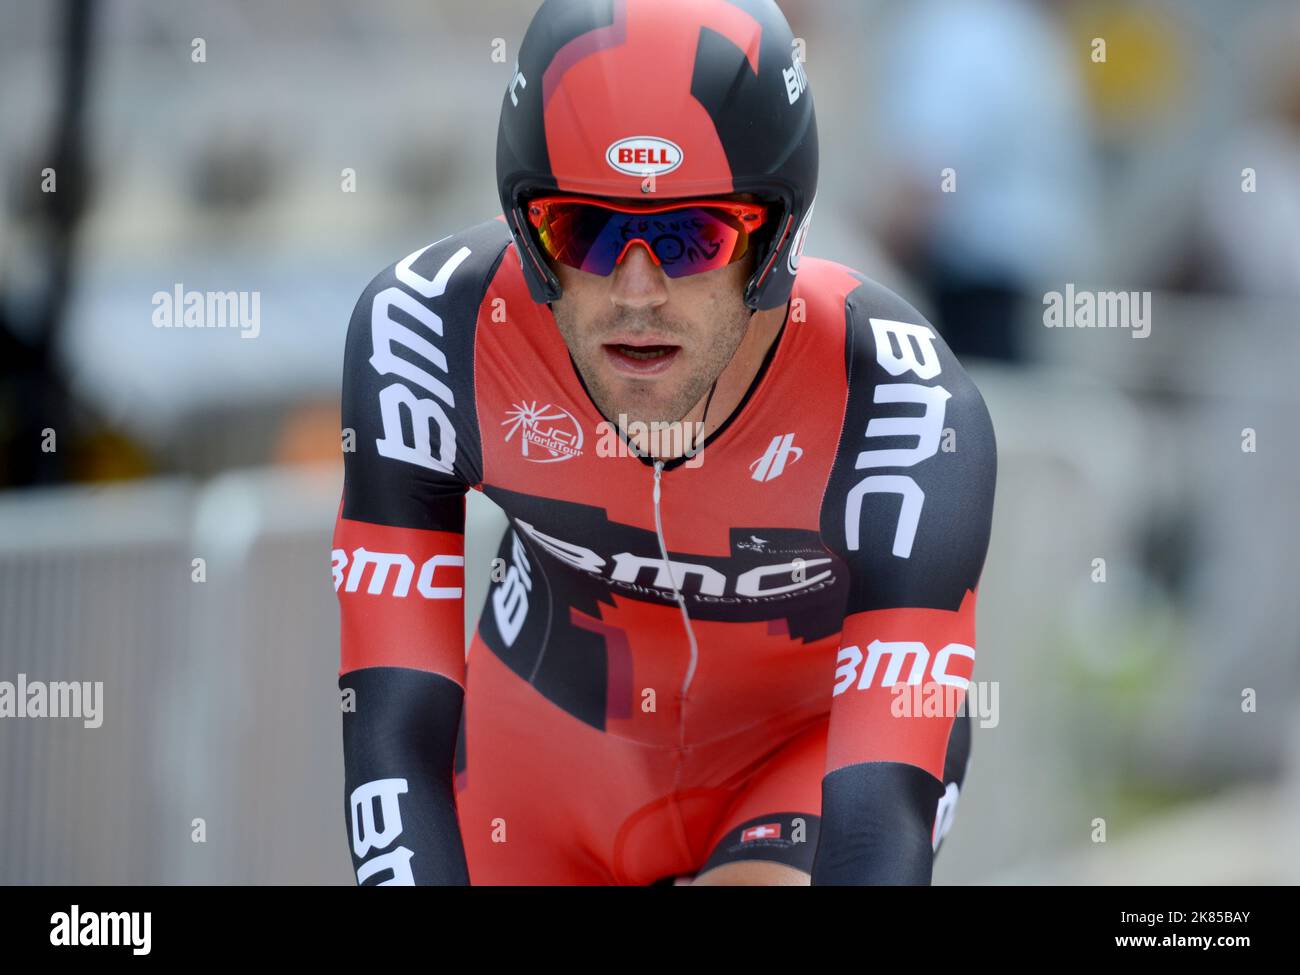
x=294 y=148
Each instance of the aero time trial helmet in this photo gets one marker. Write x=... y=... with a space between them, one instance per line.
x=665 y=99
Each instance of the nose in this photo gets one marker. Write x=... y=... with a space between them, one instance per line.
x=638 y=280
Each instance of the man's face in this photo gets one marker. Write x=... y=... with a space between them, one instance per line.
x=688 y=329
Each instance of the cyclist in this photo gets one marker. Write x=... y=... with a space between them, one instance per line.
x=698 y=658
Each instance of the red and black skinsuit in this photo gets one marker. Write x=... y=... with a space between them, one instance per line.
x=679 y=663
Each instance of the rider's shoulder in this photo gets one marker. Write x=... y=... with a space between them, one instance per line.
x=454 y=270
x=883 y=327
x=887 y=340
x=844 y=290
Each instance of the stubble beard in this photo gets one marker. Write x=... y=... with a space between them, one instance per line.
x=636 y=400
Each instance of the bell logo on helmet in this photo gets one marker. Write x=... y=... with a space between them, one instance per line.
x=644 y=155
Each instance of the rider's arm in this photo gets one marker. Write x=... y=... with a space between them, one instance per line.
x=909 y=509
x=401 y=682
x=398 y=559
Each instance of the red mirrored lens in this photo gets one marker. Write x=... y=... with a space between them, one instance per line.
x=683 y=238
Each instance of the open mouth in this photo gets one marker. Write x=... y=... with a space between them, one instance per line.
x=641 y=359
x=644 y=353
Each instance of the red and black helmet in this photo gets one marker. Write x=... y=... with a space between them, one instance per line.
x=674 y=98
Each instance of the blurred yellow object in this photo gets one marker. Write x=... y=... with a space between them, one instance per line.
x=109 y=455
x=1145 y=67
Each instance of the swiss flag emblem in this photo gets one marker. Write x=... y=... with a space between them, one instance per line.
x=767 y=831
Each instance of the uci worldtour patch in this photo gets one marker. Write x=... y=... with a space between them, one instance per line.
x=545 y=434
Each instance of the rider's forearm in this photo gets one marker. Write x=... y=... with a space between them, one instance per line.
x=875 y=825
x=399 y=746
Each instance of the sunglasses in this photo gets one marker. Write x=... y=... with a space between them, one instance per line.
x=683 y=238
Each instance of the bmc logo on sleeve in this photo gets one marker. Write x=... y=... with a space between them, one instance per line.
x=420 y=363
x=916 y=354
x=391 y=573
x=887 y=660
x=379 y=832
